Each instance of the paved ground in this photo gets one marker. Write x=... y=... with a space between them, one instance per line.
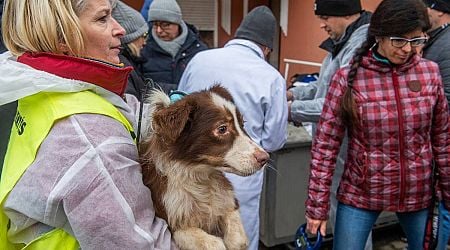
x=387 y=238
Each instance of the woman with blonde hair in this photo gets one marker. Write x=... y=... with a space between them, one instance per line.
x=71 y=177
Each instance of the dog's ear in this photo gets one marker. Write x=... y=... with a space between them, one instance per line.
x=169 y=122
x=221 y=91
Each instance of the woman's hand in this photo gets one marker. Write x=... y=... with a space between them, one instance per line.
x=313 y=225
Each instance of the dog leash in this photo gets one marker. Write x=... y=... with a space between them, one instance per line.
x=302 y=242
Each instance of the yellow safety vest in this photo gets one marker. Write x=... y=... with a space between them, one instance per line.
x=35 y=117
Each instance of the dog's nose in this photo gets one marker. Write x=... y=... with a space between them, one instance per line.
x=261 y=157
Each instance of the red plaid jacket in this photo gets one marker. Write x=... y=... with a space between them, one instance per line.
x=403 y=128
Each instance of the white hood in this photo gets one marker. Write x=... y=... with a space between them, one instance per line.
x=18 y=80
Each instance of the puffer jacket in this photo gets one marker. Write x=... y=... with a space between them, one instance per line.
x=403 y=127
x=165 y=70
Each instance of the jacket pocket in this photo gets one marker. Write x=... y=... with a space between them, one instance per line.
x=356 y=169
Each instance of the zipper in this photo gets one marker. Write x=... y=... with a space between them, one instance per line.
x=400 y=139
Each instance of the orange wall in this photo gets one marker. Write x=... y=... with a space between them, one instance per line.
x=237 y=9
x=304 y=36
x=137 y=4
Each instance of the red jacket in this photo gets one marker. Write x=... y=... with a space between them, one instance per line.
x=404 y=127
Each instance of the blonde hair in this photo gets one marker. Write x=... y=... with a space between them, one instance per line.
x=135 y=50
x=43 y=26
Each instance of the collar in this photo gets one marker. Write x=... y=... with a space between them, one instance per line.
x=380 y=58
x=108 y=76
x=377 y=63
x=334 y=47
x=248 y=44
x=174 y=46
x=434 y=34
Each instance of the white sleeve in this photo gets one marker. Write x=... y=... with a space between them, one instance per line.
x=275 y=118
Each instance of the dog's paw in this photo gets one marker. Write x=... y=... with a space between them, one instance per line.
x=215 y=243
x=238 y=243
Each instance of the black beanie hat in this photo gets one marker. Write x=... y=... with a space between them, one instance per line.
x=258 y=26
x=337 y=7
x=440 y=5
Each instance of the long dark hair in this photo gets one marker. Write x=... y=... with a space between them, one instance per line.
x=391 y=18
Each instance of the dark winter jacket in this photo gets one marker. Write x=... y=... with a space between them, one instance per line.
x=136 y=82
x=165 y=70
x=403 y=128
x=438 y=50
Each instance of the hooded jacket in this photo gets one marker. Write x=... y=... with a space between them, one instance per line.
x=403 y=127
x=85 y=178
x=259 y=92
x=307 y=105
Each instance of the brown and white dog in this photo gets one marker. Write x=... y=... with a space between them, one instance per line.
x=191 y=143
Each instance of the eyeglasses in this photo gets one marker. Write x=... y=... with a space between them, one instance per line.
x=161 y=24
x=400 y=42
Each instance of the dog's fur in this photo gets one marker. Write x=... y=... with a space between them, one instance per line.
x=192 y=141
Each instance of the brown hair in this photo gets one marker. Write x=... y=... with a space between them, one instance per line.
x=391 y=18
x=43 y=26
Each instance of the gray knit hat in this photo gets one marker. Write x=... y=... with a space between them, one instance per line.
x=165 y=10
x=258 y=26
x=131 y=20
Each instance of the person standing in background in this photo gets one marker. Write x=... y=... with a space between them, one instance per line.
x=346 y=24
x=136 y=31
x=391 y=104
x=259 y=92
x=437 y=49
x=170 y=46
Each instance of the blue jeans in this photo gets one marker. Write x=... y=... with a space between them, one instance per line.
x=444 y=227
x=353 y=226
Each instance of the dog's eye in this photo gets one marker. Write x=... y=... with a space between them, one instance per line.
x=222 y=129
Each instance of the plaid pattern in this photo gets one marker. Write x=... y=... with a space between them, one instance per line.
x=404 y=126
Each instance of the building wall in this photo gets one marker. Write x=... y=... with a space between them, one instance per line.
x=304 y=36
x=137 y=4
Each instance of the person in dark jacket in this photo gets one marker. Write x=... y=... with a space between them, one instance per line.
x=391 y=104
x=171 y=44
x=132 y=43
x=438 y=50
